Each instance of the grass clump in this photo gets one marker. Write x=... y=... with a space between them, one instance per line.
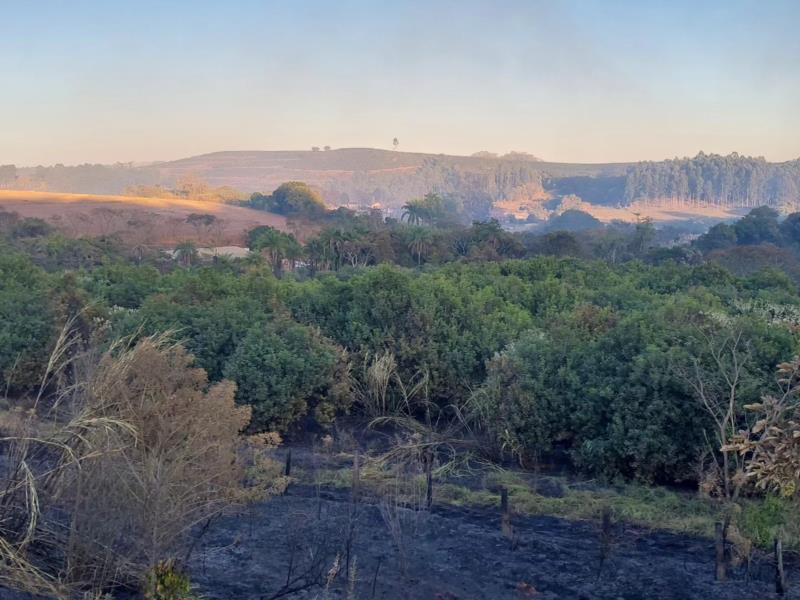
x=760 y=520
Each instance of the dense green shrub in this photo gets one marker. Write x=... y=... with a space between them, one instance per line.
x=27 y=325
x=282 y=370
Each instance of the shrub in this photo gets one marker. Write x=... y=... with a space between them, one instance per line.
x=26 y=322
x=137 y=454
x=282 y=370
x=166 y=582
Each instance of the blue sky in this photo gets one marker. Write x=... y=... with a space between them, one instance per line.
x=589 y=81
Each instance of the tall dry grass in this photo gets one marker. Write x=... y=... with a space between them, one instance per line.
x=115 y=460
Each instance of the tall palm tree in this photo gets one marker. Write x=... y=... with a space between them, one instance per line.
x=316 y=254
x=334 y=241
x=420 y=241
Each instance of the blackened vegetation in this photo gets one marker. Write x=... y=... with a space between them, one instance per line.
x=459 y=553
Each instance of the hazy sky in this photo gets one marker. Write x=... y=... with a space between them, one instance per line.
x=105 y=81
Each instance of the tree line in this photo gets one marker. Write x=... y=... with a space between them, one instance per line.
x=729 y=181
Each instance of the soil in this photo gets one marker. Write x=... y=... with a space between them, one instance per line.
x=289 y=546
x=453 y=554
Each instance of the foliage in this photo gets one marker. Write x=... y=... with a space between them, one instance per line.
x=145 y=483
x=597 y=384
x=27 y=324
x=165 y=582
x=771 y=445
x=573 y=358
x=573 y=220
x=293 y=198
x=275 y=244
x=282 y=370
x=731 y=180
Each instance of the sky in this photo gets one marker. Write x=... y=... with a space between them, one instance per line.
x=566 y=80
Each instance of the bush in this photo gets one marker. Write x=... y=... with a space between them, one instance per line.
x=282 y=370
x=140 y=452
x=27 y=325
x=166 y=582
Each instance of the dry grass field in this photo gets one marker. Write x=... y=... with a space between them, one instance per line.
x=661 y=212
x=152 y=221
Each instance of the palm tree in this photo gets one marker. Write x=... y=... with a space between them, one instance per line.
x=419 y=242
x=292 y=250
x=333 y=242
x=275 y=244
x=315 y=252
x=414 y=211
x=428 y=209
x=186 y=253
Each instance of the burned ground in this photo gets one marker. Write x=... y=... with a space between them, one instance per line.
x=453 y=553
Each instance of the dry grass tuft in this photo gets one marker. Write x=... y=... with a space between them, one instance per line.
x=104 y=476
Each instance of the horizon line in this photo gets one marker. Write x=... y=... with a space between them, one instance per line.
x=321 y=150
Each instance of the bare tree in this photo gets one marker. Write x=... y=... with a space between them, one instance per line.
x=716 y=374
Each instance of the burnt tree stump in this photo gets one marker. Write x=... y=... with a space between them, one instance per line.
x=780 y=574
x=721 y=572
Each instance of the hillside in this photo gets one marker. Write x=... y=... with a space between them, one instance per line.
x=353 y=177
x=360 y=177
x=156 y=221
x=706 y=186
x=225 y=168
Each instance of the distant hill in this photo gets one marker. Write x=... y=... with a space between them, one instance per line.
x=361 y=177
x=515 y=185
x=344 y=176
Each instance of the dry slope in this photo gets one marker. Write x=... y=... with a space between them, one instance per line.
x=156 y=221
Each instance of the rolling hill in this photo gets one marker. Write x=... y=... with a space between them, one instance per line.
x=706 y=186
